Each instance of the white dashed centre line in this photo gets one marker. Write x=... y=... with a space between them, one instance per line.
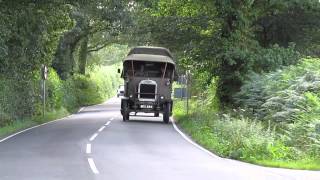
x=88 y=150
x=93 y=136
x=102 y=128
x=108 y=123
x=93 y=166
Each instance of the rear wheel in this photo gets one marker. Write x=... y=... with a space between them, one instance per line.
x=166 y=112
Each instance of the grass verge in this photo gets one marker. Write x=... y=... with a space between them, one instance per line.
x=27 y=123
x=241 y=139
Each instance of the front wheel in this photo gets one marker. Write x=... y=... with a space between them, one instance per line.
x=166 y=112
x=125 y=116
x=124 y=110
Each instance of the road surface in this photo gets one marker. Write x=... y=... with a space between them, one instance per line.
x=96 y=144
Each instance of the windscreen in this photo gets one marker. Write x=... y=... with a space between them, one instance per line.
x=148 y=69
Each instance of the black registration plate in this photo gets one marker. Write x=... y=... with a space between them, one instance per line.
x=146 y=106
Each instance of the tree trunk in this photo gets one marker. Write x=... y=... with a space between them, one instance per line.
x=83 y=52
x=63 y=62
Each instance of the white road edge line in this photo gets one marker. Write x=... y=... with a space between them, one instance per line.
x=108 y=123
x=64 y=118
x=102 y=128
x=81 y=109
x=88 y=149
x=12 y=135
x=111 y=119
x=190 y=141
x=93 y=136
x=93 y=166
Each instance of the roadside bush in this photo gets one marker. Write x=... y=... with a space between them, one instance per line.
x=276 y=122
x=290 y=99
x=304 y=134
x=54 y=89
x=270 y=59
x=95 y=87
x=70 y=100
x=279 y=95
x=237 y=138
x=21 y=99
x=238 y=62
x=212 y=100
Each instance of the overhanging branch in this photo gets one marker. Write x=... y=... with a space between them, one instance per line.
x=98 y=48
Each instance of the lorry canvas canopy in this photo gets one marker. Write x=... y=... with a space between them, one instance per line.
x=151 y=50
x=149 y=57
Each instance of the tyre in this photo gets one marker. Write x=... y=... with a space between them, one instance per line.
x=171 y=105
x=166 y=112
x=124 y=110
x=125 y=116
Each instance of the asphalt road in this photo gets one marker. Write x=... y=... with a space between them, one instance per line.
x=96 y=144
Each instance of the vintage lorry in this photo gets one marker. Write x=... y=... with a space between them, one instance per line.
x=148 y=74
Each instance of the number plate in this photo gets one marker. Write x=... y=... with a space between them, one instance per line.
x=146 y=106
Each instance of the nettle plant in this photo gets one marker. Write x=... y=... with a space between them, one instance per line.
x=284 y=94
x=290 y=98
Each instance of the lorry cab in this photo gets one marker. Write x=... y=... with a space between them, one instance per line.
x=148 y=74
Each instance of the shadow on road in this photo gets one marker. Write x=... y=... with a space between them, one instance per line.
x=151 y=121
x=93 y=111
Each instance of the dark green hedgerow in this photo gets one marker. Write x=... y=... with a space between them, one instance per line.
x=22 y=107
x=277 y=123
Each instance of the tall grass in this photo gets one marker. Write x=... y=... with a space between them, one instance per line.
x=242 y=138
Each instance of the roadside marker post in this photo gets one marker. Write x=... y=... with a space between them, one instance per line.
x=187 y=89
x=44 y=77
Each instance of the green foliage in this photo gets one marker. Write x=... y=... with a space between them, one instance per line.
x=23 y=100
x=97 y=86
x=289 y=98
x=70 y=99
x=282 y=22
x=270 y=59
x=212 y=99
x=54 y=88
x=277 y=123
x=97 y=24
x=229 y=39
x=29 y=35
x=246 y=139
x=110 y=55
x=280 y=95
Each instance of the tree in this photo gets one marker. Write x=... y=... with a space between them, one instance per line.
x=231 y=38
x=93 y=18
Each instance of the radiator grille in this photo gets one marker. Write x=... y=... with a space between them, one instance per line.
x=147 y=91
